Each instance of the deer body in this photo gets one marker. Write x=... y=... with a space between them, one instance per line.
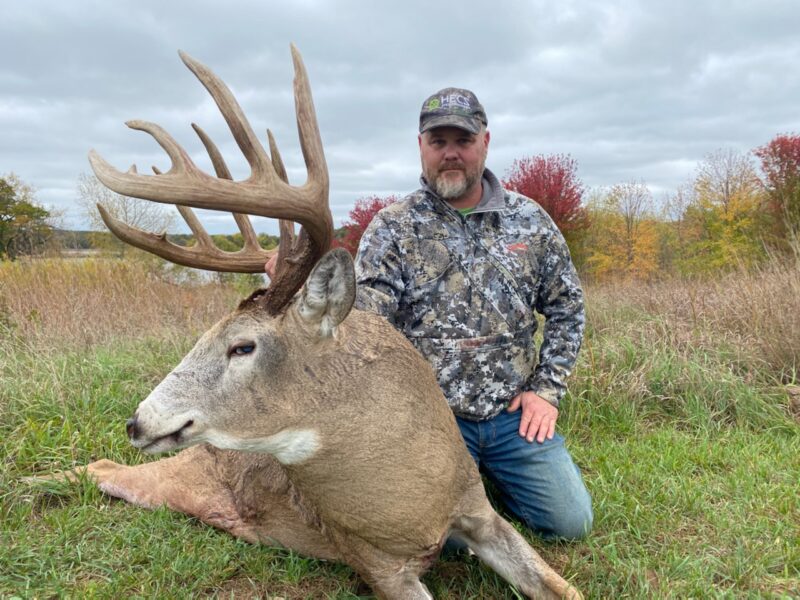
x=374 y=470
x=307 y=423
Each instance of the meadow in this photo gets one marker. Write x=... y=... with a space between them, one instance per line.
x=683 y=414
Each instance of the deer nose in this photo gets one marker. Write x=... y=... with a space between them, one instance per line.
x=131 y=426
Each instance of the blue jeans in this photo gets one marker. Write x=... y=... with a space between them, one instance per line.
x=538 y=483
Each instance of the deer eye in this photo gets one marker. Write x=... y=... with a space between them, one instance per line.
x=241 y=349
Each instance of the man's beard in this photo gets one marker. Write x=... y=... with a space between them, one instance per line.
x=451 y=189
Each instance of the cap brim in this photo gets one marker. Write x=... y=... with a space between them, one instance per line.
x=465 y=123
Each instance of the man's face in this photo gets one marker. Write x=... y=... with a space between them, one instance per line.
x=453 y=160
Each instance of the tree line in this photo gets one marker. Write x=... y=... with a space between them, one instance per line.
x=24 y=226
x=735 y=210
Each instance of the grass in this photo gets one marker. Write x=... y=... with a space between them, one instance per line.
x=684 y=432
x=82 y=303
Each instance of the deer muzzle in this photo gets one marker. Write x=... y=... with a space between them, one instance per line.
x=155 y=443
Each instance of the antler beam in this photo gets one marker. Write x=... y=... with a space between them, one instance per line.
x=265 y=193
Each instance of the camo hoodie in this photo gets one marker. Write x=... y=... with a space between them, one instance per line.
x=463 y=290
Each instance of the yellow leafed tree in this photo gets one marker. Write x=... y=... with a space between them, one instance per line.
x=624 y=239
x=726 y=219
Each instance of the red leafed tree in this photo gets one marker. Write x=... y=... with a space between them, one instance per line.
x=359 y=218
x=552 y=181
x=780 y=162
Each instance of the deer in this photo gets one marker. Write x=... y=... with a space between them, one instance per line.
x=301 y=421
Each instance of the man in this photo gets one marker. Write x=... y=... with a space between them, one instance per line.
x=459 y=267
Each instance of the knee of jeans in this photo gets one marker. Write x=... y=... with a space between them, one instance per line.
x=575 y=524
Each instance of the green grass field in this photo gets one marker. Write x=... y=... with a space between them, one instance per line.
x=689 y=443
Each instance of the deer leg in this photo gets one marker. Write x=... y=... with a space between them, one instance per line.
x=390 y=576
x=393 y=584
x=401 y=587
x=243 y=495
x=186 y=482
x=502 y=547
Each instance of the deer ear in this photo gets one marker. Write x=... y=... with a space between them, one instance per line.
x=329 y=291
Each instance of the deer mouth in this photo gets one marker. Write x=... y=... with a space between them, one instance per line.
x=164 y=443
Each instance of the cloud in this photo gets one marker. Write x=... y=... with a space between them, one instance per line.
x=633 y=90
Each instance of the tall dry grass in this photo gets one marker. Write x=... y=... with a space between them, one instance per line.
x=86 y=302
x=753 y=316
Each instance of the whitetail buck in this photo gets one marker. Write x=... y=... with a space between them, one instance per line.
x=313 y=425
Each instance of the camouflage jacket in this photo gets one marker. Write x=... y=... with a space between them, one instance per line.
x=463 y=289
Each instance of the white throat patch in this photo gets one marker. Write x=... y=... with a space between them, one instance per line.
x=289 y=447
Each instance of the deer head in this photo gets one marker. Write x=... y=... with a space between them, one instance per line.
x=243 y=362
x=245 y=384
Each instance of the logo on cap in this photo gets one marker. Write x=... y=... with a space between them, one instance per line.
x=455 y=100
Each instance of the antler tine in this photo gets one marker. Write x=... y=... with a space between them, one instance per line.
x=307 y=127
x=277 y=161
x=234 y=116
x=200 y=234
x=288 y=241
x=197 y=256
x=222 y=171
x=220 y=168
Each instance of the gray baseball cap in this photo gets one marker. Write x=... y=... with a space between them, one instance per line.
x=452 y=107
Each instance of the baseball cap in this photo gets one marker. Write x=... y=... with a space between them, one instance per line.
x=452 y=107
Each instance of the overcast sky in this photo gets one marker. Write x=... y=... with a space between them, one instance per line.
x=632 y=90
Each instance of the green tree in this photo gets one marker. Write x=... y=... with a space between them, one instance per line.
x=24 y=227
x=726 y=217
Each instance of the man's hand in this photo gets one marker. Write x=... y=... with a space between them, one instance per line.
x=538 y=416
x=269 y=268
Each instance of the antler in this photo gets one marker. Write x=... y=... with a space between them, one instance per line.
x=265 y=193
